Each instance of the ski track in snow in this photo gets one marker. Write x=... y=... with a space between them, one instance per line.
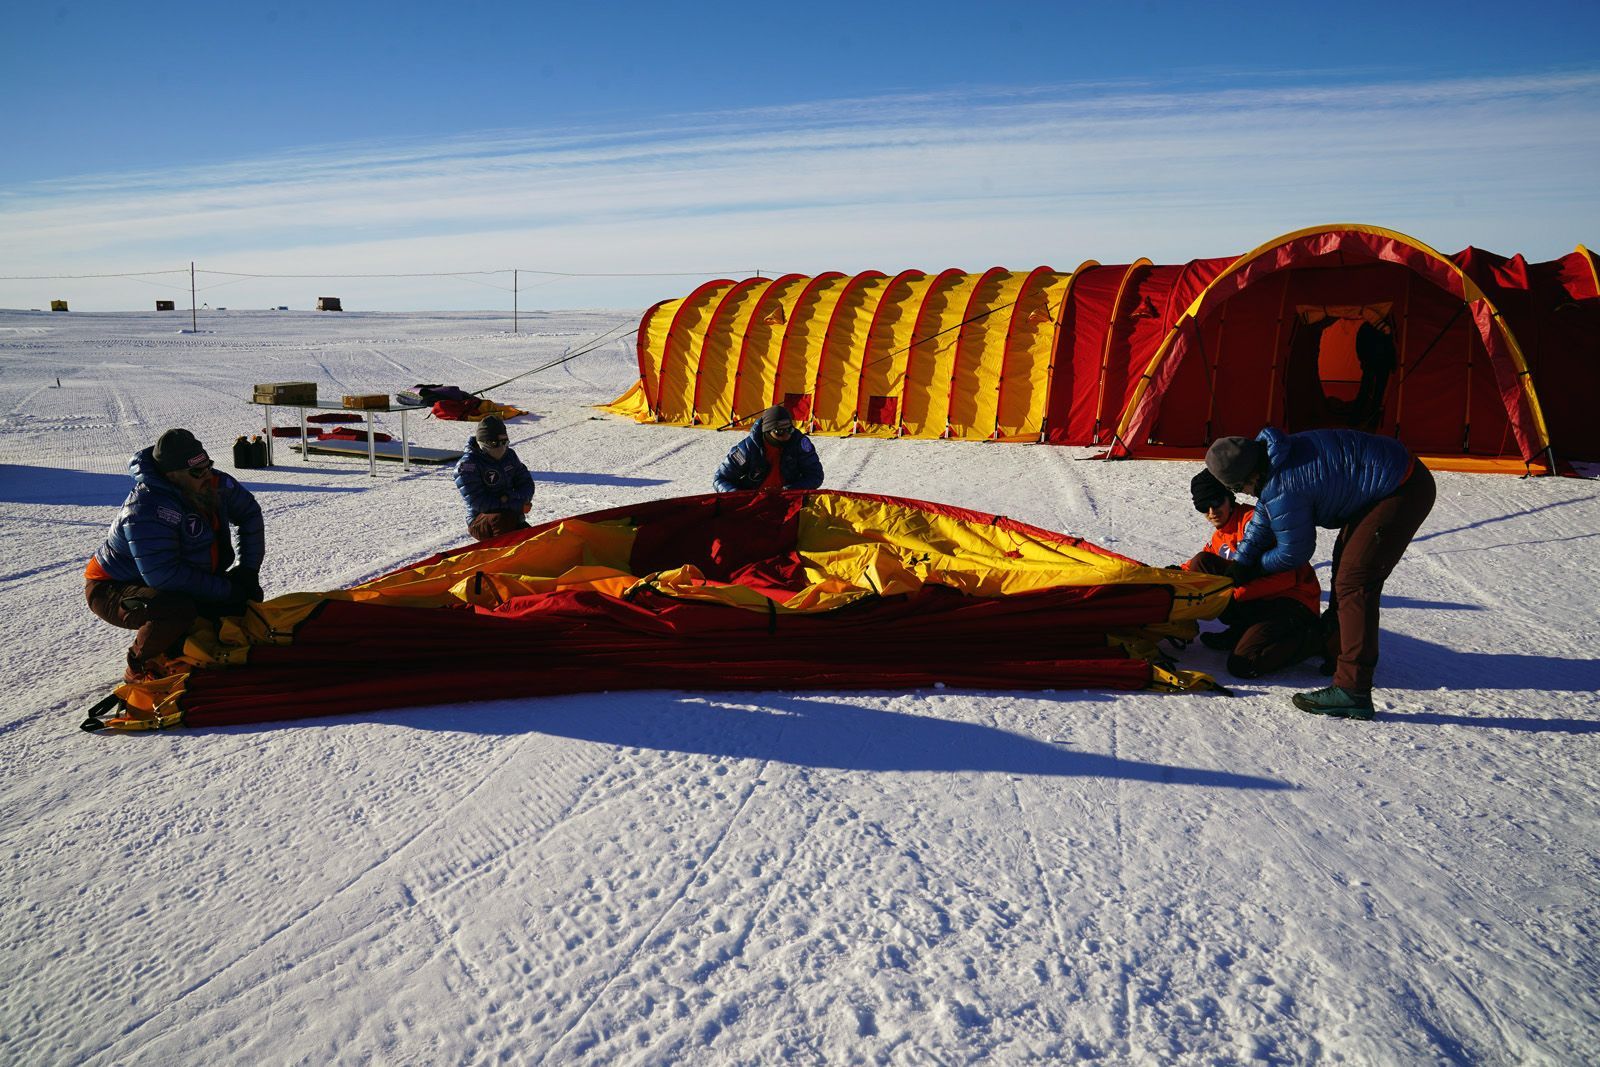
x=930 y=876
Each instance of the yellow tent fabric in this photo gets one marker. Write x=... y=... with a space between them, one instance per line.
x=913 y=355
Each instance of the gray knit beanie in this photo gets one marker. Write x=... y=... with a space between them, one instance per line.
x=1234 y=459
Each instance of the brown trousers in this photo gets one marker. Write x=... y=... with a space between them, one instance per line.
x=494 y=523
x=1366 y=551
x=162 y=619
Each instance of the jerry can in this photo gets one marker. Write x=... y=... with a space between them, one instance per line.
x=258 y=452
x=242 y=459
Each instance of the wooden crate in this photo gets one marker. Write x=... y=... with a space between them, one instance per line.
x=286 y=393
x=367 y=400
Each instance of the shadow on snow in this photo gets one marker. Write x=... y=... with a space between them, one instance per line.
x=813 y=731
x=53 y=485
x=587 y=478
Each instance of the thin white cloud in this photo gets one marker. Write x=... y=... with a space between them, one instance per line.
x=1021 y=177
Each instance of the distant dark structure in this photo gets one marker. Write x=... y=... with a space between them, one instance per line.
x=165 y=305
x=58 y=305
x=329 y=303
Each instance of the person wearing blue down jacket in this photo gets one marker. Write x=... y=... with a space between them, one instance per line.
x=170 y=556
x=494 y=483
x=1369 y=488
x=774 y=455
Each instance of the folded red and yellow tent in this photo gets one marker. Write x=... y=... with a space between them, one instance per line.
x=739 y=591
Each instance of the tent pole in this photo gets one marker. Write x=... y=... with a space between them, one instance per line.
x=1211 y=401
x=1466 y=412
x=1211 y=385
x=1277 y=338
x=1404 y=331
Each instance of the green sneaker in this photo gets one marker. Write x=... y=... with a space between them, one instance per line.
x=1336 y=703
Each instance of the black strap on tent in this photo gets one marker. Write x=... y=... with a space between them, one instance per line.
x=95 y=720
x=1211 y=386
x=1436 y=339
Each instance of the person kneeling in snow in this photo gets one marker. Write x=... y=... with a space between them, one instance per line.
x=497 y=488
x=1272 y=621
x=166 y=559
x=774 y=455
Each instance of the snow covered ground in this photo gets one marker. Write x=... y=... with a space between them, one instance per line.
x=931 y=876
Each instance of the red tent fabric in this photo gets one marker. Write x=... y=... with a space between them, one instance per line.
x=1473 y=360
x=1479 y=343
x=731 y=591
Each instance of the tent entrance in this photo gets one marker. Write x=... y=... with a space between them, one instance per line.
x=1340 y=362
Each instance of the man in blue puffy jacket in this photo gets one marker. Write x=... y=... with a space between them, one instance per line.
x=167 y=558
x=495 y=485
x=1369 y=488
x=774 y=455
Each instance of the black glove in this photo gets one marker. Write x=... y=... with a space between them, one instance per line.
x=1242 y=572
x=244 y=584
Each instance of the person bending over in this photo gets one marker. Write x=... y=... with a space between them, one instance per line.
x=1369 y=488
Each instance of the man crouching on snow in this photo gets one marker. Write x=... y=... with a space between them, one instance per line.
x=497 y=488
x=1272 y=620
x=166 y=559
x=773 y=456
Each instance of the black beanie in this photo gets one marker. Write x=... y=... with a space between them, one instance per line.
x=1207 y=492
x=177 y=450
x=490 y=428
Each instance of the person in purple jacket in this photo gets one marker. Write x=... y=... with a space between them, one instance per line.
x=496 y=487
x=1369 y=488
x=169 y=557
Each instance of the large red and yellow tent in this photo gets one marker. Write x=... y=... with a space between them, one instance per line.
x=740 y=591
x=1494 y=362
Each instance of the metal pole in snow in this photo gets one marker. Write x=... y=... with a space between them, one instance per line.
x=192 y=327
x=513 y=301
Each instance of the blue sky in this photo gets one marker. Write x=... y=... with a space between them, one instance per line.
x=716 y=138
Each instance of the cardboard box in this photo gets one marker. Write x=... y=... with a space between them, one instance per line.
x=367 y=400
x=286 y=393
